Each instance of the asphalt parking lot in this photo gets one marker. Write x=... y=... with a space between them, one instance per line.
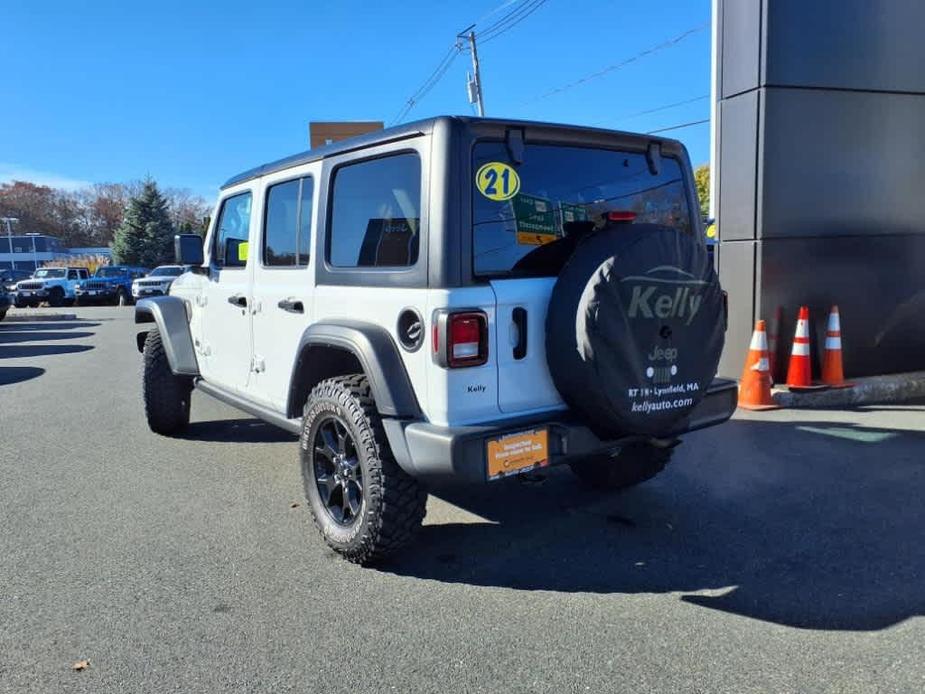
x=784 y=551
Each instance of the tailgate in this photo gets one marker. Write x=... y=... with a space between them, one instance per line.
x=524 y=383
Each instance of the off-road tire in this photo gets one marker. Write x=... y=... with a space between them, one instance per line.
x=56 y=297
x=632 y=465
x=122 y=298
x=166 y=396
x=393 y=503
x=20 y=303
x=2 y=314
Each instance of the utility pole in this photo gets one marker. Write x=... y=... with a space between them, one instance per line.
x=9 y=233
x=475 y=83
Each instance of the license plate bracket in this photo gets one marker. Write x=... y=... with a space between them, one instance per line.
x=516 y=453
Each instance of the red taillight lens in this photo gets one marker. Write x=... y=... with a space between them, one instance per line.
x=621 y=216
x=467 y=339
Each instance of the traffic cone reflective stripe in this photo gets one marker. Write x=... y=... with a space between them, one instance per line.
x=832 y=370
x=800 y=372
x=755 y=386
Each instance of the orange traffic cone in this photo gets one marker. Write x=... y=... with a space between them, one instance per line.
x=800 y=370
x=833 y=373
x=755 y=386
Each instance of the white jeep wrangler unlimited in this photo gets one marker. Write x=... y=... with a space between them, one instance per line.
x=455 y=298
x=56 y=285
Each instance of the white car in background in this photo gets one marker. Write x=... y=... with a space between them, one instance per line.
x=157 y=282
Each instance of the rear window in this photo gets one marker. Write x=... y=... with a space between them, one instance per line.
x=520 y=208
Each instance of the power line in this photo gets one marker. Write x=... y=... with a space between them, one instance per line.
x=678 y=127
x=660 y=108
x=512 y=19
x=623 y=63
x=429 y=83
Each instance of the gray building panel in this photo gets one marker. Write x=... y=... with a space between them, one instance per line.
x=843 y=44
x=738 y=162
x=876 y=281
x=740 y=27
x=737 y=271
x=840 y=163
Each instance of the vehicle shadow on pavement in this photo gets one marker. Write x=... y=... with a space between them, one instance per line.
x=16 y=374
x=46 y=325
x=21 y=351
x=8 y=336
x=242 y=430
x=818 y=525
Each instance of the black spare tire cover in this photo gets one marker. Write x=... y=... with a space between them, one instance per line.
x=635 y=328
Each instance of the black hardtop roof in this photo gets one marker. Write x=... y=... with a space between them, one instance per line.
x=399 y=132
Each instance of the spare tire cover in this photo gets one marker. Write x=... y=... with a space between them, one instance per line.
x=635 y=328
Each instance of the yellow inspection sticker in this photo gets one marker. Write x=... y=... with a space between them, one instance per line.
x=497 y=181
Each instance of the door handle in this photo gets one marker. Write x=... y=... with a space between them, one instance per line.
x=291 y=305
x=519 y=316
x=238 y=300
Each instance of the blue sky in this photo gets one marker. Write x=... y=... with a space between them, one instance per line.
x=191 y=93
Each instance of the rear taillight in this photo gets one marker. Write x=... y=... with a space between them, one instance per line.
x=460 y=338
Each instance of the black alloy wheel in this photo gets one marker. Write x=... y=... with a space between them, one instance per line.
x=337 y=472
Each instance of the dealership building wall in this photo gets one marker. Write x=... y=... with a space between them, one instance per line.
x=819 y=158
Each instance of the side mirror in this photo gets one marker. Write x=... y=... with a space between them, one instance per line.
x=188 y=249
x=236 y=252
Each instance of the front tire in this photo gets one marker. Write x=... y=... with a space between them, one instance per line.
x=363 y=504
x=122 y=298
x=633 y=464
x=56 y=297
x=166 y=396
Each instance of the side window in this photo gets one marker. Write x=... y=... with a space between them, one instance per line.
x=73 y=275
x=229 y=248
x=288 y=224
x=376 y=213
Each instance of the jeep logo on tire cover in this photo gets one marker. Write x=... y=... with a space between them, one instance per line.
x=672 y=294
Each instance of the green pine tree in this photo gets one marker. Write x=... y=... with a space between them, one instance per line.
x=145 y=236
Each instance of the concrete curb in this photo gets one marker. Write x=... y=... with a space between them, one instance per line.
x=33 y=316
x=893 y=388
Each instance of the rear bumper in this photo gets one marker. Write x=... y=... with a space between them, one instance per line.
x=459 y=453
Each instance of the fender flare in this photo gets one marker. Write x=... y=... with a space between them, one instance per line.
x=377 y=353
x=169 y=314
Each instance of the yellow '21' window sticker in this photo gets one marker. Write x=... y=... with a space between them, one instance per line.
x=497 y=181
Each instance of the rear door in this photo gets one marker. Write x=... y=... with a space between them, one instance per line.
x=283 y=287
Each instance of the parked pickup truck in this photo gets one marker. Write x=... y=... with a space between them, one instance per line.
x=110 y=284
x=55 y=285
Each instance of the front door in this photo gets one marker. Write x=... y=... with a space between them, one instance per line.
x=226 y=319
x=282 y=287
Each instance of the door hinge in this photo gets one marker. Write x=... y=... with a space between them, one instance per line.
x=256 y=308
x=201 y=299
x=258 y=365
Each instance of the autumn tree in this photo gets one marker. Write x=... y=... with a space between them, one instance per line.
x=145 y=236
x=702 y=181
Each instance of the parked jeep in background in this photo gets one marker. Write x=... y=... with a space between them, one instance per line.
x=5 y=301
x=157 y=282
x=110 y=284
x=455 y=299
x=55 y=285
